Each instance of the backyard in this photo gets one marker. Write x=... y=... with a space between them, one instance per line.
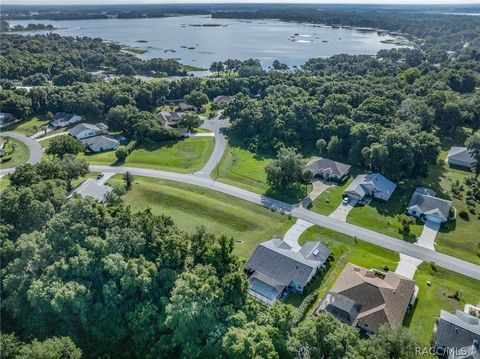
x=191 y=207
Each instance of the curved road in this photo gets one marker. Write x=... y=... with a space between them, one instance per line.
x=454 y=264
x=34 y=147
x=216 y=125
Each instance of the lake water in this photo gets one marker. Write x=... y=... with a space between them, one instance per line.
x=267 y=40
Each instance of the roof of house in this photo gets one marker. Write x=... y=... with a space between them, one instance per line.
x=78 y=129
x=5 y=117
x=424 y=201
x=383 y=298
x=182 y=106
x=222 y=98
x=340 y=306
x=458 y=330
x=100 y=142
x=62 y=116
x=276 y=260
x=460 y=154
x=371 y=183
x=91 y=188
x=168 y=117
x=326 y=165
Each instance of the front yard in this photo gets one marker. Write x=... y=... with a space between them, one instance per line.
x=28 y=127
x=331 y=198
x=16 y=153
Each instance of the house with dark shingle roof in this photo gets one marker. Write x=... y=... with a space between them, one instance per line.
x=458 y=335
x=460 y=156
x=101 y=143
x=427 y=207
x=275 y=266
x=328 y=169
x=368 y=299
x=184 y=107
x=370 y=185
x=223 y=99
x=170 y=121
x=62 y=119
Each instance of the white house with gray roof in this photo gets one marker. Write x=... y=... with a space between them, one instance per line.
x=427 y=207
x=328 y=169
x=370 y=185
x=460 y=156
x=62 y=119
x=101 y=143
x=91 y=188
x=85 y=130
x=274 y=267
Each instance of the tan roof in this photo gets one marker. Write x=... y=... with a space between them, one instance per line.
x=384 y=299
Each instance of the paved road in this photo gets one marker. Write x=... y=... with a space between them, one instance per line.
x=397 y=245
x=34 y=147
x=216 y=125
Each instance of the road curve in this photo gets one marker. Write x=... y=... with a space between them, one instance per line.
x=33 y=146
x=451 y=263
x=216 y=125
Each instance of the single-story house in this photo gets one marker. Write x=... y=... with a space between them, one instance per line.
x=219 y=100
x=62 y=119
x=274 y=267
x=427 y=207
x=370 y=185
x=85 y=130
x=184 y=107
x=5 y=118
x=101 y=143
x=170 y=121
x=328 y=169
x=368 y=299
x=460 y=156
x=91 y=188
x=458 y=335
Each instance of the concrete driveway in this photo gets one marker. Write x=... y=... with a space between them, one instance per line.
x=342 y=211
x=427 y=238
x=318 y=186
x=407 y=266
x=106 y=177
x=293 y=234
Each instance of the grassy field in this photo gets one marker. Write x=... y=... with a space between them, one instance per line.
x=245 y=169
x=439 y=295
x=330 y=199
x=28 y=127
x=191 y=207
x=345 y=249
x=382 y=216
x=18 y=156
x=184 y=156
x=4 y=183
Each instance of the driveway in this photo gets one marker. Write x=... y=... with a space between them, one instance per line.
x=342 y=211
x=106 y=177
x=319 y=186
x=33 y=146
x=293 y=234
x=407 y=266
x=427 y=238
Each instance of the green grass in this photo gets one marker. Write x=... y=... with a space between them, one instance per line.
x=438 y=296
x=245 y=169
x=345 y=249
x=191 y=207
x=4 y=183
x=330 y=199
x=184 y=156
x=19 y=153
x=28 y=127
x=382 y=216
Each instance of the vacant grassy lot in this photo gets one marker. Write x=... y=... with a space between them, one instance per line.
x=19 y=153
x=191 y=207
x=345 y=249
x=28 y=127
x=439 y=295
x=331 y=198
x=184 y=156
x=245 y=169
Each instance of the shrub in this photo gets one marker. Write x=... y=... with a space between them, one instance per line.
x=464 y=215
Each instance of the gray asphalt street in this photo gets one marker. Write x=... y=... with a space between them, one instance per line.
x=34 y=147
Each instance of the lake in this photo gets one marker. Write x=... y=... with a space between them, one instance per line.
x=267 y=40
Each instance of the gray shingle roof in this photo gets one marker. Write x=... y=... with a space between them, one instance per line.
x=328 y=166
x=340 y=306
x=424 y=201
x=276 y=260
x=76 y=130
x=91 y=188
x=460 y=154
x=98 y=143
x=372 y=184
x=457 y=330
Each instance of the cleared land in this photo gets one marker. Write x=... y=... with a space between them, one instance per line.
x=244 y=169
x=184 y=156
x=438 y=295
x=191 y=207
x=19 y=153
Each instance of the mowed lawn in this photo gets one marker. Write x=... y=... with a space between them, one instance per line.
x=184 y=156
x=19 y=155
x=191 y=206
x=4 y=183
x=331 y=198
x=439 y=295
x=28 y=127
x=242 y=168
x=345 y=249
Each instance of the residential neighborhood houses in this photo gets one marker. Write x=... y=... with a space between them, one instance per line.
x=222 y=99
x=85 y=130
x=103 y=142
x=427 y=207
x=328 y=169
x=367 y=299
x=62 y=119
x=367 y=186
x=170 y=121
x=92 y=188
x=274 y=267
x=459 y=156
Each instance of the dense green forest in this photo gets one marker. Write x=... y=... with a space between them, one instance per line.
x=80 y=278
